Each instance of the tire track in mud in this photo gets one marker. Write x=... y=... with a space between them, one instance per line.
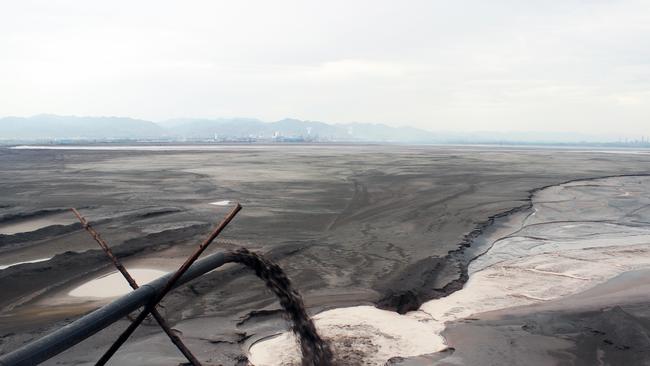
x=359 y=199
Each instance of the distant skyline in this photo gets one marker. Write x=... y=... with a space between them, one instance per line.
x=565 y=66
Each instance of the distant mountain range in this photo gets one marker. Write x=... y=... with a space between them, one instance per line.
x=53 y=128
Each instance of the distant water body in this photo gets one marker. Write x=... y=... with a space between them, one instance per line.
x=141 y=147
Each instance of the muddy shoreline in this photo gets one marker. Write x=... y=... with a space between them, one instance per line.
x=603 y=328
x=608 y=323
x=405 y=300
x=575 y=236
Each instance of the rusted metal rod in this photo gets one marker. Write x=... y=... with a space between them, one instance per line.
x=170 y=284
x=116 y=262
x=69 y=335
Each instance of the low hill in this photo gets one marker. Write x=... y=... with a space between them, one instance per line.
x=48 y=127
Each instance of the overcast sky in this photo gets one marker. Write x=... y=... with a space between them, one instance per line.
x=564 y=65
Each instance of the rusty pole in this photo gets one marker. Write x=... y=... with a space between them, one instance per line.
x=134 y=285
x=168 y=286
x=65 y=337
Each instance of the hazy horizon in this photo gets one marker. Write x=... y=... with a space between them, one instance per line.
x=571 y=66
x=170 y=121
x=50 y=127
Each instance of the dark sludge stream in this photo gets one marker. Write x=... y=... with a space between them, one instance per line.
x=315 y=351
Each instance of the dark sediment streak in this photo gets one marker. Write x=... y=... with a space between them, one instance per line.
x=30 y=215
x=315 y=351
x=411 y=299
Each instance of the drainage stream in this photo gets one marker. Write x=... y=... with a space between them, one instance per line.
x=575 y=236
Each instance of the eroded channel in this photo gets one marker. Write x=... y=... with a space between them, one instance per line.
x=575 y=236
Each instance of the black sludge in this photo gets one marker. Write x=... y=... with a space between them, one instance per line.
x=315 y=351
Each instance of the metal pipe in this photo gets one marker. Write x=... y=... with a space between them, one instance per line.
x=168 y=286
x=75 y=332
x=176 y=340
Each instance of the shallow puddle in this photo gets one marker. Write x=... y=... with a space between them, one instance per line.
x=114 y=285
x=35 y=223
x=4 y=266
x=220 y=203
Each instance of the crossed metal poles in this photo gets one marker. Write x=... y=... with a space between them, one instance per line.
x=150 y=308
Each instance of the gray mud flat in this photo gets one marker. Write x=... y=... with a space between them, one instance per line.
x=350 y=225
x=608 y=324
x=571 y=237
x=574 y=282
